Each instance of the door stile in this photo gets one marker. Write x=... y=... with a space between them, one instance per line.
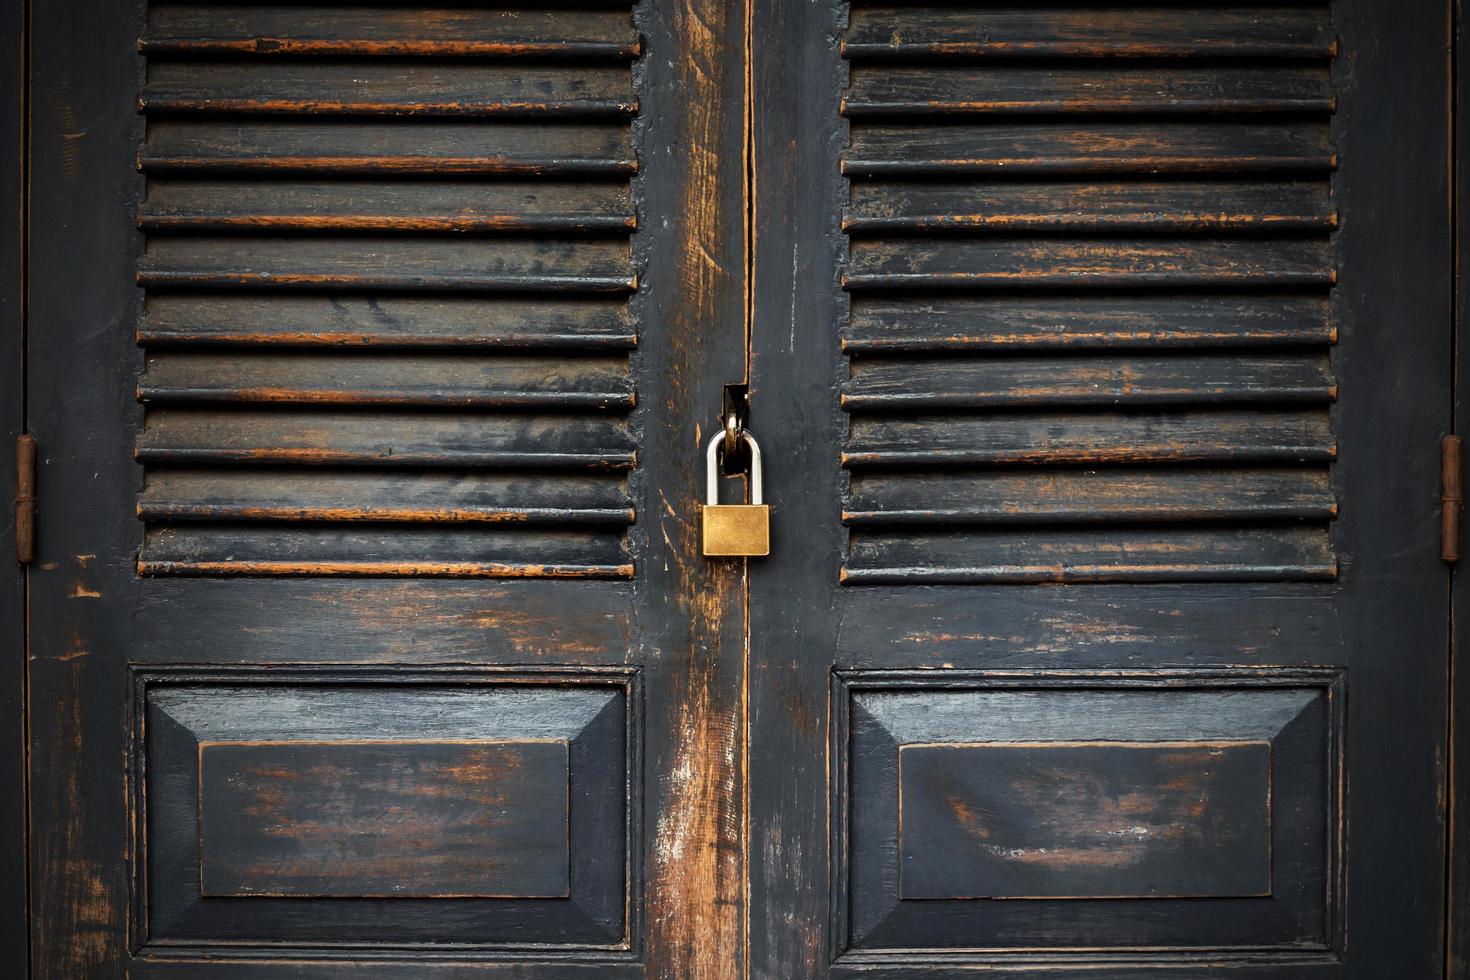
x=693 y=609
x=1457 y=775
x=13 y=915
x=798 y=131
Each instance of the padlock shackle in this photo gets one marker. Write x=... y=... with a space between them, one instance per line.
x=712 y=468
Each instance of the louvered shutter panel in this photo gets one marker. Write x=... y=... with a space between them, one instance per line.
x=387 y=275
x=1091 y=270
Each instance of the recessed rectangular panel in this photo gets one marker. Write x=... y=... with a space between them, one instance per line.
x=420 y=819
x=1085 y=820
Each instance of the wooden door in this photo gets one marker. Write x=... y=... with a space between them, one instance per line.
x=371 y=347
x=1102 y=360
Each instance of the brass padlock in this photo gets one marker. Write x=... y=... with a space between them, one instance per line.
x=734 y=530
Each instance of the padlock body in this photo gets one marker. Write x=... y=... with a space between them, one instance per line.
x=737 y=530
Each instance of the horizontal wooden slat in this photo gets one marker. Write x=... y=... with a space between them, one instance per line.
x=931 y=383
x=593 y=265
x=1243 y=435
x=410 y=206
x=1068 y=32
x=381 y=439
x=194 y=549
x=360 y=29
x=1090 y=555
x=386 y=89
x=940 y=91
x=1121 y=494
x=196 y=319
x=176 y=145
x=1056 y=148
x=1090 y=207
x=1106 y=322
x=172 y=495
x=370 y=378
x=918 y=263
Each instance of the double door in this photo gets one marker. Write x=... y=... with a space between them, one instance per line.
x=1100 y=359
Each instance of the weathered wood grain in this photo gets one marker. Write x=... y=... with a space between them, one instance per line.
x=386 y=439
x=1078 y=820
x=1105 y=147
x=174 y=495
x=468 y=551
x=384 y=263
x=350 y=819
x=888 y=91
x=310 y=146
x=1060 y=32
x=505 y=381
x=1100 y=496
x=960 y=322
x=400 y=205
x=1136 y=206
x=912 y=384
x=1089 y=555
x=386 y=88
x=893 y=263
x=391 y=321
x=362 y=30
x=1243 y=435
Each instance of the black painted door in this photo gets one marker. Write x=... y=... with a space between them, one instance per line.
x=1102 y=359
x=370 y=351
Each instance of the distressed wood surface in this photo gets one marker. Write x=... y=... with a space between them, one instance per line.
x=14 y=853
x=1118 y=32
x=556 y=736
x=1053 y=148
x=1104 y=192
x=389 y=321
x=1084 y=820
x=311 y=146
x=919 y=383
x=359 y=205
x=1291 y=719
x=350 y=819
x=194 y=29
x=408 y=380
x=1086 y=323
x=978 y=556
x=1102 y=495
x=1245 y=435
x=182 y=494
x=386 y=89
x=925 y=91
x=235 y=96
x=1141 y=206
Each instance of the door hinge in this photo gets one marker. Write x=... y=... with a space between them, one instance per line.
x=25 y=499
x=1451 y=497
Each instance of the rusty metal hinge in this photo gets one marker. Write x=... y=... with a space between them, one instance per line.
x=1451 y=497
x=25 y=499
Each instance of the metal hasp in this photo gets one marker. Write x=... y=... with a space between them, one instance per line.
x=25 y=499
x=1452 y=496
x=734 y=530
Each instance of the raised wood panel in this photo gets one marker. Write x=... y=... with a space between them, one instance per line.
x=1058 y=820
x=390 y=240
x=988 y=813
x=369 y=812
x=384 y=819
x=1089 y=238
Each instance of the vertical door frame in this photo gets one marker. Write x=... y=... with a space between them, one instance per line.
x=1457 y=781
x=14 y=926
